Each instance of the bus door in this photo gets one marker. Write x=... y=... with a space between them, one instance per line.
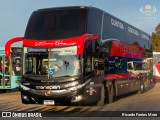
x=4 y=73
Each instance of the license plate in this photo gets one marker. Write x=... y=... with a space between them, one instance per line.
x=48 y=102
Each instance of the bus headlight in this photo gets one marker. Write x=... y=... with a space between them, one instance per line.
x=24 y=87
x=76 y=98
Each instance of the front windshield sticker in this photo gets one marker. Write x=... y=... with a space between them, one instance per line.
x=66 y=50
x=51 y=71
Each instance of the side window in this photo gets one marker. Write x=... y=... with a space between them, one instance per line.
x=29 y=65
x=88 y=57
x=129 y=66
x=16 y=66
x=145 y=66
x=88 y=65
x=94 y=21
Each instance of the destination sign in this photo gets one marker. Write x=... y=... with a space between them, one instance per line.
x=36 y=50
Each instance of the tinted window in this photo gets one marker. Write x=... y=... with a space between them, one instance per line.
x=56 y=24
x=88 y=58
x=94 y=21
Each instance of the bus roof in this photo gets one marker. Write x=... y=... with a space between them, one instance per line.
x=88 y=8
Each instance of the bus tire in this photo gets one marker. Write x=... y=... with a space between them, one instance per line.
x=102 y=96
x=111 y=94
x=142 y=87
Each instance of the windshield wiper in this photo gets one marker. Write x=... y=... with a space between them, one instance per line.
x=69 y=75
x=63 y=76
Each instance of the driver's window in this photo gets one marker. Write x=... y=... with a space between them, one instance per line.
x=88 y=65
x=88 y=57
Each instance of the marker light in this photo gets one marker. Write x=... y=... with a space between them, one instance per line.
x=76 y=98
x=25 y=97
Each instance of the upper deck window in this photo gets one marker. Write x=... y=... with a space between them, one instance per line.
x=56 y=24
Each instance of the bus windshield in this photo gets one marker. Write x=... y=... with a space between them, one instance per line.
x=56 y=24
x=140 y=66
x=56 y=62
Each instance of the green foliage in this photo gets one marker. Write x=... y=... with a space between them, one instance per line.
x=156 y=39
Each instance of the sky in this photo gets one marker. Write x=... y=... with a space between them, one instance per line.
x=14 y=14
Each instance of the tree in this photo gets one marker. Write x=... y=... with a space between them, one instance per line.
x=157 y=29
x=156 y=39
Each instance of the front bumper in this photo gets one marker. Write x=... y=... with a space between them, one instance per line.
x=81 y=93
x=59 y=96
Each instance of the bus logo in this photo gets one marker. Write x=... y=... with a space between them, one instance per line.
x=148 y=9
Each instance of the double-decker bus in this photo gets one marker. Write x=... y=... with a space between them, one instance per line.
x=10 y=69
x=79 y=55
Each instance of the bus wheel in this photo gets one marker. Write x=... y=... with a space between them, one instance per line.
x=110 y=94
x=142 y=87
x=102 y=96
